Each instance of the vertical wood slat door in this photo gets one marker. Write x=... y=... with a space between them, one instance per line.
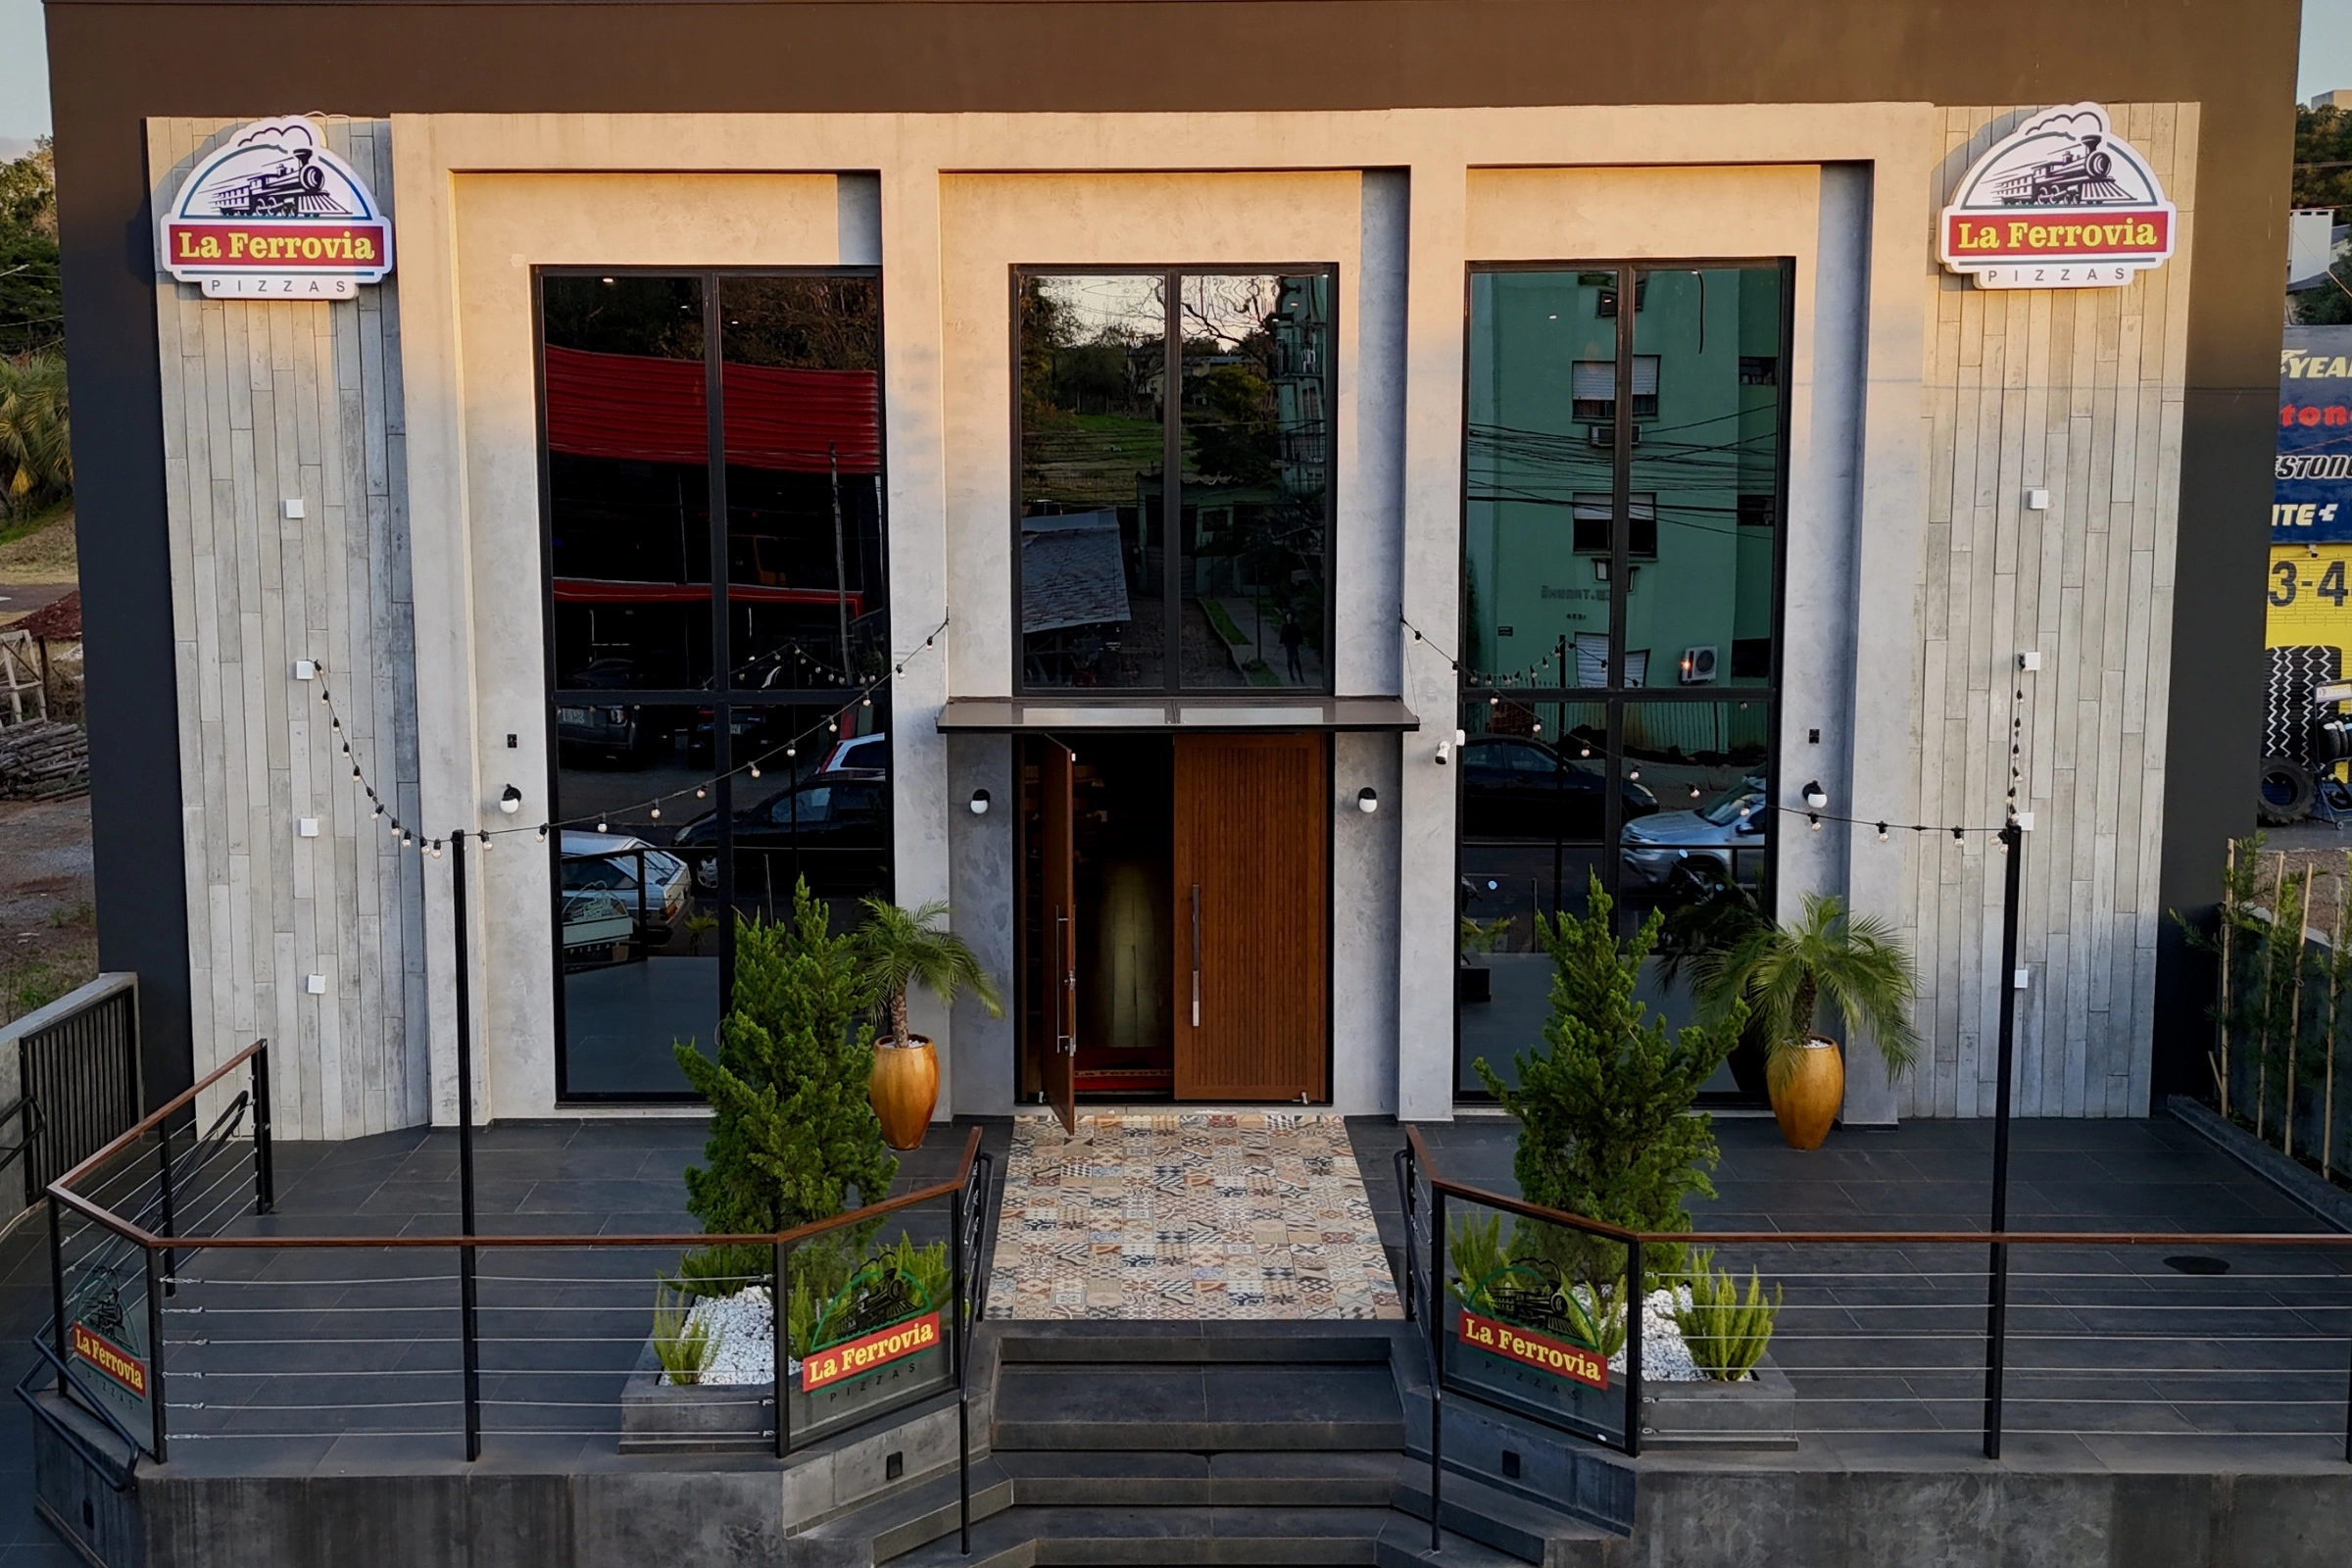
x=1058 y=1059
x=1252 y=923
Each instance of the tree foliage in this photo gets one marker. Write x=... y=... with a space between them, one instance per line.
x=904 y=948
x=793 y=1136
x=31 y=301
x=36 y=455
x=1605 y=1123
x=2324 y=178
x=1784 y=973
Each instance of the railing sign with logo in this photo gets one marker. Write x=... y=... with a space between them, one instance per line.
x=2061 y=202
x=271 y=213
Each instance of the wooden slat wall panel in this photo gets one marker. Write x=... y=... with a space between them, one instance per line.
x=261 y=402
x=2079 y=392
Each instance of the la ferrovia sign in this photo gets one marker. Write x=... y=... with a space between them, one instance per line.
x=2061 y=202
x=272 y=214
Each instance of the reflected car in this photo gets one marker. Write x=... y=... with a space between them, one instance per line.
x=608 y=863
x=1726 y=836
x=859 y=752
x=620 y=734
x=842 y=818
x=1516 y=787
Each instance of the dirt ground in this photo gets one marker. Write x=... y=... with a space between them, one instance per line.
x=48 y=924
x=42 y=556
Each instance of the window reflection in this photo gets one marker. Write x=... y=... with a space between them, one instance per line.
x=802 y=395
x=628 y=482
x=1094 y=462
x=1620 y=545
x=1234 y=596
x=1712 y=457
x=1257 y=467
x=765 y=672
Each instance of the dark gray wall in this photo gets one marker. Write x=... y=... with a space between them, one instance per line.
x=112 y=65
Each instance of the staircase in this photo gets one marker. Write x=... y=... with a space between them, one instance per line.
x=1212 y=1443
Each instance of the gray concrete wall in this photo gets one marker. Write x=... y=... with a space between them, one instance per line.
x=263 y=402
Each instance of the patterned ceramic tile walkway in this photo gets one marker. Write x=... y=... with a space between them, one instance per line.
x=1252 y=1214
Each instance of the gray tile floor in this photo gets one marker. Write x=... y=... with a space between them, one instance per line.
x=305 y=1358
x=2115 y=1357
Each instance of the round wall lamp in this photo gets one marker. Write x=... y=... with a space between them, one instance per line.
x=1815 y=796
x=979 y=802
x=1367 y=800
x=510 y=800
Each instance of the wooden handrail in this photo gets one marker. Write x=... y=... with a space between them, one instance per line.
x=1618 y=1233
x=100 y=1216
x=148 y=1122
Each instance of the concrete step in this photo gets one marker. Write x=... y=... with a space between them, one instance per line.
x=1205 y=1408
x=1405 y=1543
x=1504 y=1520
x=1310 y=1479
x=915 y=1516
x=1179 y=1344
x=1100 y=1538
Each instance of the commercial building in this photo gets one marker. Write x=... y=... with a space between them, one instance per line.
x=1248 y=503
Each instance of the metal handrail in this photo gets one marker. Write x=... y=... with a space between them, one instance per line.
x=1429 y=1271
x=1618 y=1233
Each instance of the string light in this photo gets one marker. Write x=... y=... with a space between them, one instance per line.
x=405 y=837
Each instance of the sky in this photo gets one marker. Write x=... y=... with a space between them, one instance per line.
x=25 y=73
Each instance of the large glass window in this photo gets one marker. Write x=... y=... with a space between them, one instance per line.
x=1623 y=483
x=718 y=735
x=1174 y=529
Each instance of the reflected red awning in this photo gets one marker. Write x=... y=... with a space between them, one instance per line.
x=635 y=406
x=612 y=591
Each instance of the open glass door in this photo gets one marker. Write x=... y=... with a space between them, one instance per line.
x=1058 y=1051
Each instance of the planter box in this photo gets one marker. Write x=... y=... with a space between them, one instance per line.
x=657 y=1415
x=1758 y=1414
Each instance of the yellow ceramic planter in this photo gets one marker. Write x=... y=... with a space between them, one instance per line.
x=905 y=1086
x=1808 y=1087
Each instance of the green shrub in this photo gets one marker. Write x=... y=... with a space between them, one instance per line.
x=682 y=1345
x=1726 y=1331
x=1605 y=1123
x=793 y=1135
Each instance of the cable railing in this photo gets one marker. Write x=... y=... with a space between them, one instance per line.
x=183 y=1317
x=2108 y=1342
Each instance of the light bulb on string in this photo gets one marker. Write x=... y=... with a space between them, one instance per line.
x=1882 y=832
x=657 y=813
x=600 y=828
x=543 y=832
x=755 y=770
x=1815 y=820
x=697 y=792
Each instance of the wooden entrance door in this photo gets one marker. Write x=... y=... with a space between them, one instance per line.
x=1252 y=889
x=1058 y=1055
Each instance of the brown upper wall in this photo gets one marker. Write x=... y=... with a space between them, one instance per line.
x=113 y=64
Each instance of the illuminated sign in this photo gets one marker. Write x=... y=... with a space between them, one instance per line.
x=272 y=215
x=1561 y=1359
x=2061 y=202
x=879 y=1349
x=2311 y=494
x=111 y=1358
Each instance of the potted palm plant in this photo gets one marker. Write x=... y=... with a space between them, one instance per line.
x=1783 y=971
x=899 y=948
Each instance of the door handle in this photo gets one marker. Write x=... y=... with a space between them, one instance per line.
x=1196 y=954
x=1065 y=1034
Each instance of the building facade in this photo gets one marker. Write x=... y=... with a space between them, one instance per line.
x=1250 y=537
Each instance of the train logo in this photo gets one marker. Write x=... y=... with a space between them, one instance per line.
x=273 y=212
x=2061 y=202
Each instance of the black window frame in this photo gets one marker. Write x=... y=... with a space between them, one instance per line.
x=1623 y=435
x=722 y=697
x=1173 y=494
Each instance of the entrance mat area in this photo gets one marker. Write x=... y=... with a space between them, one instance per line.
x=1210 y=1214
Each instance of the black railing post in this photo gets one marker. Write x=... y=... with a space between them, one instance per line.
x=264 y=1172
x=1636 y=1300
x=468 y=1293
x=1437 y=1360
x=163 y=1146
x=963 y=1425
x=155 y=1353
x=779 y=1295
x=1996 y=1306
x=57 y=1270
